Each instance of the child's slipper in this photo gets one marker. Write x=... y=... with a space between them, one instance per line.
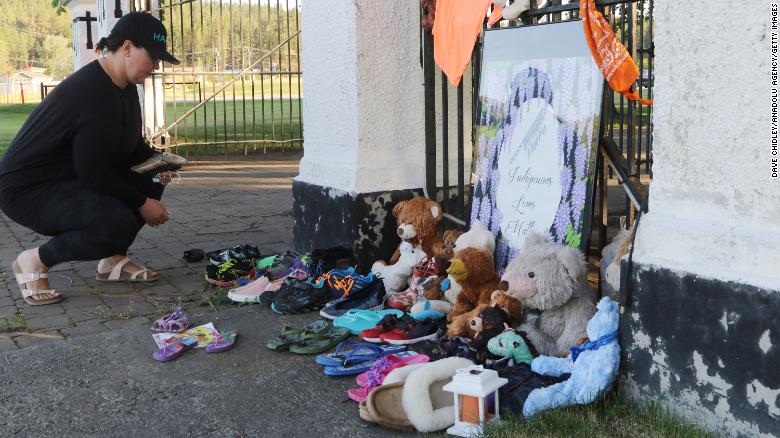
x=349 y=352
x=382 y=367
x=174 y=323
x=172 y=350
x=224 y=341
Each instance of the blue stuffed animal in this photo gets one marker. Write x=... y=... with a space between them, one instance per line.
x=593 y=365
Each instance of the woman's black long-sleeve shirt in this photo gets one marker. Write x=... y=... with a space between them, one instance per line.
x=88 y=129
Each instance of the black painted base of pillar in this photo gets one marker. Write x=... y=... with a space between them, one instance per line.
x=707 y=349
x=327 y=217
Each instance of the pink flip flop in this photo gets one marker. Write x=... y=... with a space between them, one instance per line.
x=224 y=341
x=171 y=350
x=376 y=375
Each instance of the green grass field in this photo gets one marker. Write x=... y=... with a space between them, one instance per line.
x=11 y=119
x=225 y=121
x=216 y=121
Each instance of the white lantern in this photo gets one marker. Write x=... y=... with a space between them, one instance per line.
x=476 y=399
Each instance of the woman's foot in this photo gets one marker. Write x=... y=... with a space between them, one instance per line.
x=127 y=270
x=29 y=264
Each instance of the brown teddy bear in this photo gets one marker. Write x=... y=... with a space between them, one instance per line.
x=417 y=219
x=461 y=325
x=473 y=269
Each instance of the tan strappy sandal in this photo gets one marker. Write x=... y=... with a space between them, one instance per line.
x=23 y=278
x=117 y=274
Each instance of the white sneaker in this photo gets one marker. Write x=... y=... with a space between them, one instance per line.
x=160 y=162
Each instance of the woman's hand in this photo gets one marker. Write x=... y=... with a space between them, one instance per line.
x=153 y=212
x=165 y=177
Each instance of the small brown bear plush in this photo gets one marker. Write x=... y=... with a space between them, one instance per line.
x=492 y=321
x=461 y=325
x=473 y=269
x=512 y=306
x=417 y=219
x=432 y=288
x=447 y=251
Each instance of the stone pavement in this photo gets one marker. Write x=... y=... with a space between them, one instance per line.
x=218 y=203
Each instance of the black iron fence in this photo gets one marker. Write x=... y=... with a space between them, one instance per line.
x=625 y=156
x=238 y=87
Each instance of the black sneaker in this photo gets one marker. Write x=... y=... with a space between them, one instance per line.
x=227 y=273
x=298 y=296
x=242 y=253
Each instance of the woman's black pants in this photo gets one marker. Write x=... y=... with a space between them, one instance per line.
x=84 y=224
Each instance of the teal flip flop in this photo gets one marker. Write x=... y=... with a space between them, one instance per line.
x=357 y=320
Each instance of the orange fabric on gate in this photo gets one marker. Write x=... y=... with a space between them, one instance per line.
x=455 y=30
x=496 y=15
x=614 y=61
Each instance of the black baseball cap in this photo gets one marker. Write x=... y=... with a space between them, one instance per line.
x=143 y=29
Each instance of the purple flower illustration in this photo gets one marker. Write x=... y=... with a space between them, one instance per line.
x=566 y=178
x=581 y=160
x=561 y=221
x=578 y=195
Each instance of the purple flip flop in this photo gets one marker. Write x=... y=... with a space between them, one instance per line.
x=172 y=350
x=224 y=341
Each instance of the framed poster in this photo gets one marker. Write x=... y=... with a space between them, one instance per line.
x=537 y=132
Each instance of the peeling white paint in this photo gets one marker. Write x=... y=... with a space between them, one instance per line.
x=757 y=392
x=724 y=322
x=719 y=385
x=765 y=343
x=720 y=363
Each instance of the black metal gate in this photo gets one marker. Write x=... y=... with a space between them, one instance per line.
x=239 y=82
x=626 y=145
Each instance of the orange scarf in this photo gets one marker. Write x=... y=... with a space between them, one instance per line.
x=614 y=61
x=455 y=30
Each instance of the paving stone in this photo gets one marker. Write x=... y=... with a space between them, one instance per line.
x=28 y=340
x=82 y=314
x=9 y=311
x=118 y=324
x=48 y=322
x=84 y=328
x=72 y=302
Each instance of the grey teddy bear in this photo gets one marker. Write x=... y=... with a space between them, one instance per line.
x=551 y=278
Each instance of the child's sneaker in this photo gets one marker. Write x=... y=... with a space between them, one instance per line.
x=226 y=274
x=160 y=162
x=241 y=253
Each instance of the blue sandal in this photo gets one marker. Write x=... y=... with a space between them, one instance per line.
x=350 y=352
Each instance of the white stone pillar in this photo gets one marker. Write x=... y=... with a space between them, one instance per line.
x=702 y=325
x=363 y=121
x=363 y=106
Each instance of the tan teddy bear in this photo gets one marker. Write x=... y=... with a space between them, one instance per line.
x=474 y=271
